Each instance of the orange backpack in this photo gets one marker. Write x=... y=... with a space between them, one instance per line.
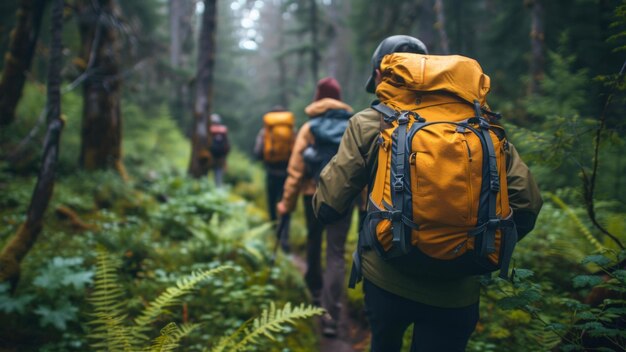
x=279 y=136
x=439 y=200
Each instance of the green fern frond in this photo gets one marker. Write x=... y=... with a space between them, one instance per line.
x=108 y=331
x=585 y=231
x=270 y=322
x=171 y=297
x=171 y=334
x=545 y=338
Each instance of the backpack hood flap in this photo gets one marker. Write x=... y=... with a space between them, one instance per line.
x=454 y=74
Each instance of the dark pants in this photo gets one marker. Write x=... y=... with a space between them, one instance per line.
x=435 y=329
x=326 y=288
x=274 y=184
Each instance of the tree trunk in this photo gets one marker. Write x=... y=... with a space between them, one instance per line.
x=441 y=27
x=315 y=54
x=426 y=26
x=537 y=59
x=181 y=45
x=101 y=135
x=281 y=61
x=19 y=57
x=175 y=38
x=16 y=249
x=200 y=154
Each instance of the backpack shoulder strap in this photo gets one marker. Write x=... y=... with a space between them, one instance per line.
x=388 y=113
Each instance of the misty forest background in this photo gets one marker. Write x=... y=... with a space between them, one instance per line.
x=114 y=237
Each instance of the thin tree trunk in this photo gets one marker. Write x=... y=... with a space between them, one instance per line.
x=19 y=57
x=426 y=26
x=175 y=38
x=16 y=249
x=101 y=144
x=315 y=55
x=537 y=59
x=281 y=60
x=441 y=27
x=181 y=43
x=200 y=154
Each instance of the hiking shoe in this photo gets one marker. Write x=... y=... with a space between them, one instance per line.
x=329 y=327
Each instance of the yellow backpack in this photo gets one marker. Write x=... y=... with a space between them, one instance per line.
x=279 y=136
x=439 y=200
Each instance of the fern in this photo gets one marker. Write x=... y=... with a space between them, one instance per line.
x=545 y=338
x=171 y=334
x=170 y=297
x=585 y=231
x=271 y=321
x=109 y=332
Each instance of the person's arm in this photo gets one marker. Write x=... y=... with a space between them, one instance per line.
x=259 y=144
x=295 y=169
x=349 y=170
x=524 y=196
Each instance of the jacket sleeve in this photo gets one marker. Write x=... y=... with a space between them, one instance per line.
x=345 y=176
x=295 y=170
x=524 y=196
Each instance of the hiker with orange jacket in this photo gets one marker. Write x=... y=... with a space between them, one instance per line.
x=316 y=143
x=450 y=196
x=273 y=146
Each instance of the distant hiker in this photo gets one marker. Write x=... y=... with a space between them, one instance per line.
x=447 y=193
x=220 y=146
x=273 y=146
x=316 y=143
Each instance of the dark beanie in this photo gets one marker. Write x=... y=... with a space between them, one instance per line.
x=327 y=88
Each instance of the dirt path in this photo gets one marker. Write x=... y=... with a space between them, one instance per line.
x=353 y=336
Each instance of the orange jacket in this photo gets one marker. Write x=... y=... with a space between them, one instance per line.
x=296 y=181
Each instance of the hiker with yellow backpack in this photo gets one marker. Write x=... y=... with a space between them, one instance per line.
x=273 y=146
x=449 y=196
x=316 y=144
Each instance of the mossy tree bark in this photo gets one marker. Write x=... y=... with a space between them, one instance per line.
x=17 y=247
x=101 y=134
x=19 y=57
x=201 y=139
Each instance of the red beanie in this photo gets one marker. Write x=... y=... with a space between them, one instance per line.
x=327 y=88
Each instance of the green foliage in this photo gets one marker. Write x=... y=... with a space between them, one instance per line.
x=109 y=327
x=11 y=304
x=111 y=332
x=563 y=90
x=271 y=322
x=552 y=320
x=152 y=140
x=54 y=292
x=171 y=334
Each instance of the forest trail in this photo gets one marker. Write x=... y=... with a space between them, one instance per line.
x=353 y=336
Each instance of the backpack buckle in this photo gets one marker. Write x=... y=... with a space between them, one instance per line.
x=403 y=118
x=494 y=185
x=398 y=184
x=395 y=215
x=493 y=224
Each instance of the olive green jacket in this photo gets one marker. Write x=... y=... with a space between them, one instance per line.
x=352 y=169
